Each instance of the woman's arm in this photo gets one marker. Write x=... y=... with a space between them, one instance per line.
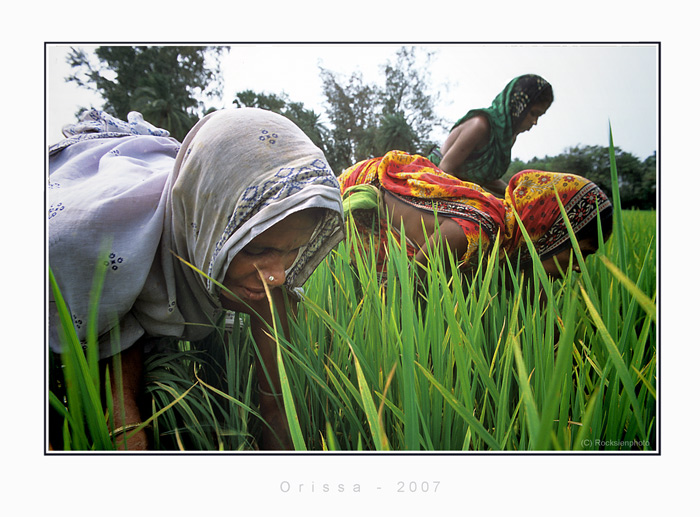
x=414 y=220
x=498 y=186
x=271 y=404
x=452 y=238
x=126 y=379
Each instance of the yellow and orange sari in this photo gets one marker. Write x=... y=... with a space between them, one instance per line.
x=483 y=216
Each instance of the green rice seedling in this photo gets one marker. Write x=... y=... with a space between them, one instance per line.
x=182 y=417
x=568 y=369
x=81 y=402
x=80 y=407
x=493 y=360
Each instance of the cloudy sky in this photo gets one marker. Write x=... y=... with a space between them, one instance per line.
x=595 y=85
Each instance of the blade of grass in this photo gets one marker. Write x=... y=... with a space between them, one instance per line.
x=532 y=418
x=616 y=358
x=375 y=428
x=82 y=390
x=642 y=299
x=585 y=430
x=562 y=368
x=461 y=410
x=289 y=408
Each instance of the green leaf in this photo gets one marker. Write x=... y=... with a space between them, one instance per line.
x=617 y=360
x=370 y=409
x=461 y=410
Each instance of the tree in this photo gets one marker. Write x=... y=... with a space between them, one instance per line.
x=638 y=189
x=168 y=84
x=368 y=120
x=407 y=101
x=395 y=132
x=352 y=114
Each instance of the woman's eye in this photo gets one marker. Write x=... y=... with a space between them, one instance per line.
x=256 y=252
x=253 y=251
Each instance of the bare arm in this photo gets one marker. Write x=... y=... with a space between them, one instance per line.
x=271 y=404
x=125 y=389
x=451 y=237
x=414 y=220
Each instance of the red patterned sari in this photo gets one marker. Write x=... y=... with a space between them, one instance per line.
x=482 y=216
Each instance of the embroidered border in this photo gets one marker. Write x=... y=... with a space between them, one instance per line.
x=288 y=181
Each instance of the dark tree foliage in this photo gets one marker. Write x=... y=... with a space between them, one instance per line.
x=637 y=179
x=167 y=84
x=352 y=112
x=369 y=120
x=408 y=107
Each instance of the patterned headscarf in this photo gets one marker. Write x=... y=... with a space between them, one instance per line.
x=526 y=91
x=237 y=173
x=532 y=194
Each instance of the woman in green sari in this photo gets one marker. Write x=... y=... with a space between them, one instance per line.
x=478 y=146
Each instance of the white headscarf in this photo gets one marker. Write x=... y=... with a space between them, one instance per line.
x=237 y=173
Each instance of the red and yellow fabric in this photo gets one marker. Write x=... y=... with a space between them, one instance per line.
x=532 y=194
x=417 y=181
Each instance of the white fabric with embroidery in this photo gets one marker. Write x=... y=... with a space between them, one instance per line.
x=132 y=201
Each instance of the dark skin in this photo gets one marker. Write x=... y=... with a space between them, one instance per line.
x=276 y=436
x=419 y=224
x=126 y=409
x=473 y=134
x=264 y=261
x=261 y=263
x=588 y=246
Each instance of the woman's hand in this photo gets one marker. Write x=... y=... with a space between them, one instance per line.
x=126 y=410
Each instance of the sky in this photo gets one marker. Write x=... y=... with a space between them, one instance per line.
x=596 y=86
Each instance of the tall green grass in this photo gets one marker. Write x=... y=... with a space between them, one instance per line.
x=449 y=362
x=470 y=363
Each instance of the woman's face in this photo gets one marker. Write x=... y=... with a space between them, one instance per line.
x=268 y=255
x=588 y=246
x=531 y=117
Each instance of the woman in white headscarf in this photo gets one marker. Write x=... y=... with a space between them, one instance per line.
x=246 y=199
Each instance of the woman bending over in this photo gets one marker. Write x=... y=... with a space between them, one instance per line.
x=247 y=199
x=413 y=192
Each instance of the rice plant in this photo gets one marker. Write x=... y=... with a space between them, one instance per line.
x=443 y=361
x=477 y=363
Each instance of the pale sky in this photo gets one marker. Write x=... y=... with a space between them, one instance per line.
x=594 y=85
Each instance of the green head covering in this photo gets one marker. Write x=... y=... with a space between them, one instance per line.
x=362 y=197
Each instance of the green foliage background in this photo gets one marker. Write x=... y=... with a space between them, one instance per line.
x=173 y=86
